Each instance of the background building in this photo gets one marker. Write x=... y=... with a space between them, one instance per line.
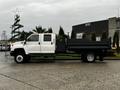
x=109 y=26
x=114 y=25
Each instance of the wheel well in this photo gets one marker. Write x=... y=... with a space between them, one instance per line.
x=19 y=50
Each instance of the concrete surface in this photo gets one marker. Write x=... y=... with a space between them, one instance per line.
x=60 y=75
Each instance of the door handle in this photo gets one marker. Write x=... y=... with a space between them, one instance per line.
x=39 y=43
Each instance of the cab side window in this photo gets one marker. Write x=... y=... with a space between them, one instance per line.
x=47 y=38
x=33 y=38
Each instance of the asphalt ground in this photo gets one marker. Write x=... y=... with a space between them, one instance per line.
x=59 y=75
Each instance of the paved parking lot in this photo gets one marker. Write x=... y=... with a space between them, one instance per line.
x=59 y=75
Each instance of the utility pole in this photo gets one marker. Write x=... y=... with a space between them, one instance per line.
x=4 y=39
x=4 y=36
x=68 y=33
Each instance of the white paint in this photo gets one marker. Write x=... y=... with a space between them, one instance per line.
x=79 y=35
x=39 y=46
x=98 y=38
x=47 y=46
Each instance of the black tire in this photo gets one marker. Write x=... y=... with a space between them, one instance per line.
x=90 y=57
x=20 y=57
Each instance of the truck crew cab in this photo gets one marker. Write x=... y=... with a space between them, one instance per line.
x=45 y=44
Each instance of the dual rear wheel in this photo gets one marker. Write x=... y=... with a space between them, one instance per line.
x=88 y=57
x=91 y=57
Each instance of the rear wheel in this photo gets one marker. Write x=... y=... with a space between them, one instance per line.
x=90 y=57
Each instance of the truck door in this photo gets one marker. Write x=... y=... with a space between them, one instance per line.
x=32 y=44
x=47 y=43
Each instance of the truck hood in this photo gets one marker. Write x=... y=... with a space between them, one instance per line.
x=18 y=43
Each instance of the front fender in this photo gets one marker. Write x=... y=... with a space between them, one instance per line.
x=18 y=47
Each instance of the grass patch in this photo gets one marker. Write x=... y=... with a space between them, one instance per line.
x=117 y=55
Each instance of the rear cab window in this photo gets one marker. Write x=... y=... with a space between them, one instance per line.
x=47 y=38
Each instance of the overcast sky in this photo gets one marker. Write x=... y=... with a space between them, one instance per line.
x=53 y=13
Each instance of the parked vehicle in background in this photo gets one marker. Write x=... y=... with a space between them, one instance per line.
x=4 y=47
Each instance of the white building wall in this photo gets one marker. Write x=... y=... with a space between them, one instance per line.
x=112 y=27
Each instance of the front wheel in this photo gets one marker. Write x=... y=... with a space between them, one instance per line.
x=90 y=57
x=19 y=58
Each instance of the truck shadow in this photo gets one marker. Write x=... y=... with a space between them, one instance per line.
x=65 y=62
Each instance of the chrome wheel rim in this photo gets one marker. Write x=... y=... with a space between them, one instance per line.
x=90 y=57
x=19 y=58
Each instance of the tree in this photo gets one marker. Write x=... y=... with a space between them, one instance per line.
x=50 y=30
x=61 y=32
x=24 y=35
x=39 y=29
x=16 y=27
x=61 y=35
x=116 y=40
x=29 y=33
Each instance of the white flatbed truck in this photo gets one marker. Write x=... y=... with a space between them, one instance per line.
x=46 y=44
